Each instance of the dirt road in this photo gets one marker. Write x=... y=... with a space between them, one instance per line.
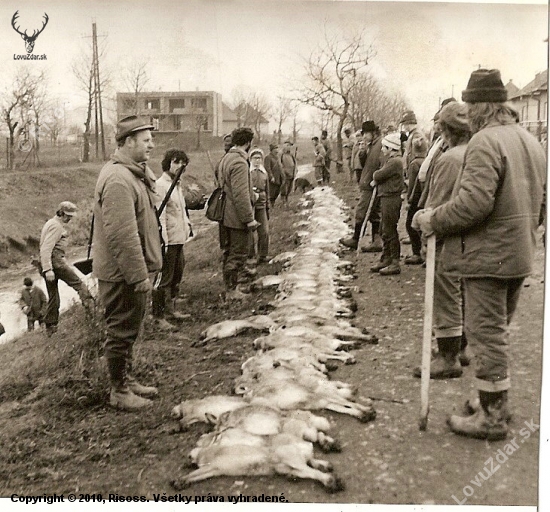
x=57 y=440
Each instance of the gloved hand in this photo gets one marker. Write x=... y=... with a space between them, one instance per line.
x=26 y=310
x=422 y=221
x=49 y=275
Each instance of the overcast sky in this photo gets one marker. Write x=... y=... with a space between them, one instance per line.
x=425 y=50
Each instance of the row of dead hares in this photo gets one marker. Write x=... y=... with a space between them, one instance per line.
x=268 y=429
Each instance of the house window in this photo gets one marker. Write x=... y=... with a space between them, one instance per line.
x=129 y=105
x=152 y=104
x=198 y=103
x=176 y=103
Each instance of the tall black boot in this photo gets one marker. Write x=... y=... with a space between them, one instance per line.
x=488 y=422
x=354 y=240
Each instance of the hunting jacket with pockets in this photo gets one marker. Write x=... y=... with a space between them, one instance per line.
x=234 y=173
x=491 y=221
x=126 y=244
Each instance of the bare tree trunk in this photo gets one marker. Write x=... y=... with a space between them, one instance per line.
x=86 y=135
x=12 y=145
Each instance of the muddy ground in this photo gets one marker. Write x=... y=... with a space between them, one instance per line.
x=57 y=434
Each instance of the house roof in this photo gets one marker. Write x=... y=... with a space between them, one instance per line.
x=539 y=84
x=228 y=114
x=512 y=89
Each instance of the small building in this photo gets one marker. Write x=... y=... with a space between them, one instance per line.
x=531 y=102
x=175 y=112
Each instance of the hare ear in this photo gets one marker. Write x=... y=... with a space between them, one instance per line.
x=210 y=418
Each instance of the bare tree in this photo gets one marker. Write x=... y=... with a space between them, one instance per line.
x=282 y=111
x=260 y=109
x=54 y=121
x=17 y=100
x=251 y=108
x=135 y=79
x=199 y=120
x=331 y=73
x=83 y=71
x=38 y=107
x=371 y=100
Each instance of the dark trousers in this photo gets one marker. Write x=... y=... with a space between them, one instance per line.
x=258 y=242
x=223 y=237
x=173 y=264
x=235 y=256
x=124 y=313
x=286 y=187
x=274 y=189
x=363 y=206
x=390 y=209
x=31 y=320
x=414 y=235
x=326 y=172
x=64 y=273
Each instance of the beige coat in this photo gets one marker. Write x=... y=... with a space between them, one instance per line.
x=490 y=223
x=126 y=243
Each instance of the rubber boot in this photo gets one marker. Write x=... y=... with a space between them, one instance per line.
x=133 y=384
x=232 y=293
x=376 y=244
x=445 y=364
x=472 y=405
x=158 y=303
x=352 y=241
x=171 y=314
x=464 y=356
x=122 y=397
x=392 y=269
x=380 y=265
x=488 y=422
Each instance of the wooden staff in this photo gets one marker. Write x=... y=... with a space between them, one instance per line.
x=427 y=334
x=367 y=215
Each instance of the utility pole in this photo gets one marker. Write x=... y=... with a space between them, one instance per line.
x=98 y=92
x=98 y=110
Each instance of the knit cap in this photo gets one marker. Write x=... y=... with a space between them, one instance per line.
x=485 y=85
x=392 y=141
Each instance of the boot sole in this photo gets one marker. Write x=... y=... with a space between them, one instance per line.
x=489 y=436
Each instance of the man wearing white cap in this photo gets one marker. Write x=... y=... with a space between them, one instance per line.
x=54 y=266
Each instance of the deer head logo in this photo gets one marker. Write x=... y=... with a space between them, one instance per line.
x=29 y=40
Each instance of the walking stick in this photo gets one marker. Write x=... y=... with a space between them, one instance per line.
x=367 y=215
x=427 y=334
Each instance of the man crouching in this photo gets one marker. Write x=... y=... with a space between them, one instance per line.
x=127 y=251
